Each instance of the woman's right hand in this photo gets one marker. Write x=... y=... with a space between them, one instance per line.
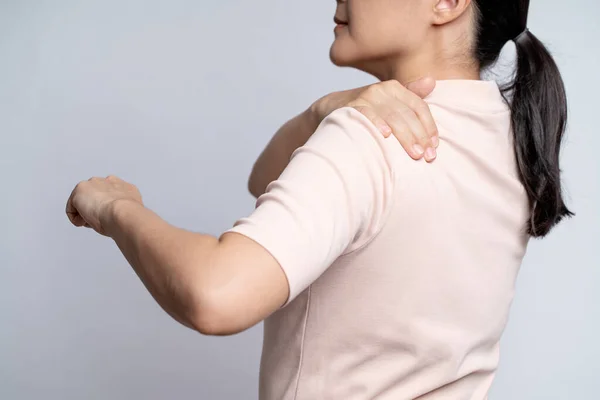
x=394 y=109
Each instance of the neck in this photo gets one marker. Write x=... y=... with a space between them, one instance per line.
x=432 y=58
x=408 y=70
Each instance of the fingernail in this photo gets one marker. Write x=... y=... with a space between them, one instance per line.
x=431 y=154
x=435 y=141
x=418 y=149
x=386 y=130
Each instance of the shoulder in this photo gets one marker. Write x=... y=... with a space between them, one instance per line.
x=347 y=132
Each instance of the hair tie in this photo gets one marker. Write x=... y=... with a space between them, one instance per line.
x=521 y=35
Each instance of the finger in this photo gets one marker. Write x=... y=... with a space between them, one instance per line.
x=77 y=220
x=422 y=87
x=415 y=102
x=74 y=216
x=421 y=109
x=420 y=135
x=423 y=112
x=368 y=112
x=70 y=209
x=403 y=133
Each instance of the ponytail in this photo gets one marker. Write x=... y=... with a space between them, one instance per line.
x=538 y=105
x=539 y=117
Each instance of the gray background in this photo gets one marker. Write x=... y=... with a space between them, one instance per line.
x=179 y=97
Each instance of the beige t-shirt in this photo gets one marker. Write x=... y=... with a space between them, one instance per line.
x=401 y=273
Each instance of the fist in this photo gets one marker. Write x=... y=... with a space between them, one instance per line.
x=91 y=202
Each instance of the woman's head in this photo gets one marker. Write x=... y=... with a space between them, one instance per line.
x=381 y=36
x=406 y=39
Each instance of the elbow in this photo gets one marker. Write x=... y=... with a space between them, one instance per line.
x=212 y=314
x=212 y=325
x=255 y=187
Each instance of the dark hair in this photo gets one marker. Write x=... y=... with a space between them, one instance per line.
x=538 y=105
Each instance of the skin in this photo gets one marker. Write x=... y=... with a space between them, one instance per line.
x=389 y=105
x=405 y=40
x=405 y=44
x=221 y=286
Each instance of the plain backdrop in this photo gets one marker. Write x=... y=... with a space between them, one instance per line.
x=179 y=97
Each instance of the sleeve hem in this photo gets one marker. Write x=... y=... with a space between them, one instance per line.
x=262 y=241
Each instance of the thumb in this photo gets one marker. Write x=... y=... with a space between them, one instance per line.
x=422 y=87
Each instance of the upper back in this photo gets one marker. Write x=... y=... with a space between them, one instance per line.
x=419 y=309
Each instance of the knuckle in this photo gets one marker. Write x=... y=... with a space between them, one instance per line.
x=403 y=113
x=414 y=102
x=371 y=91
x=422 y=136
x=419 y=132
x=394 y=85
x=358 y=106
x=382 y=87
x=421 y=106
x=376 y=119
x=423 y=139
x=396 y=114
x=399 y=127
x=363 y=109
x=403 y=136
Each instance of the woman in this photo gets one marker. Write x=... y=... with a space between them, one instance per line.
x=381 y=277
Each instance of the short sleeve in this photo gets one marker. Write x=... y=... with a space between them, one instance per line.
x=330 y=200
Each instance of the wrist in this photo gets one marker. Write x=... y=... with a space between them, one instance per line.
x=116 y=212
x=329 y=103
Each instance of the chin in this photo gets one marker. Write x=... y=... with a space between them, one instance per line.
x=340 y=56
x=345 y=55
x=337 y=61
x=349 y=59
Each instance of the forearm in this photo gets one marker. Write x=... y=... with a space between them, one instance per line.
x=167 y=259
x=276 y=156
